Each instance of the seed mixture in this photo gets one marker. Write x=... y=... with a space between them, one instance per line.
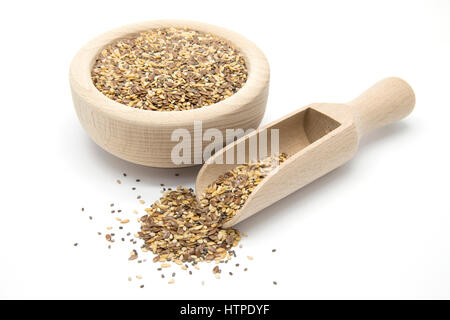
x=180 y=229
x=169 y=69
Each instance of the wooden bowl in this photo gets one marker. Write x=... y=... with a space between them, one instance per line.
x=144 y=136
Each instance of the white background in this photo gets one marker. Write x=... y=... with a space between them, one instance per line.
x=378 y=227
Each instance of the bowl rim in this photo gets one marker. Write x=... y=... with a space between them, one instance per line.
x=82 y=84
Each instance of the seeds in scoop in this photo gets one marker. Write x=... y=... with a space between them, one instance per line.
x=169 y=69
x=230 y=191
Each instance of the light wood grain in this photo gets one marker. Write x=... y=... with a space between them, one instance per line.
x=144 y=137
x=318 y=138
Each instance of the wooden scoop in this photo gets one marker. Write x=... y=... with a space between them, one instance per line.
x=317 y=138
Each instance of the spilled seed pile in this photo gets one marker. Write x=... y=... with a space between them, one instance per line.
x=169 y=69
x=180 y=229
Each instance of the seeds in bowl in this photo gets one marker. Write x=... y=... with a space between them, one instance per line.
x=179 y=228
x=169 y=69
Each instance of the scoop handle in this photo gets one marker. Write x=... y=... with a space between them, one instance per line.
x=387 y=101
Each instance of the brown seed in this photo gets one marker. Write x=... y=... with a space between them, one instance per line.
x=133 y=255
x=216 y=270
